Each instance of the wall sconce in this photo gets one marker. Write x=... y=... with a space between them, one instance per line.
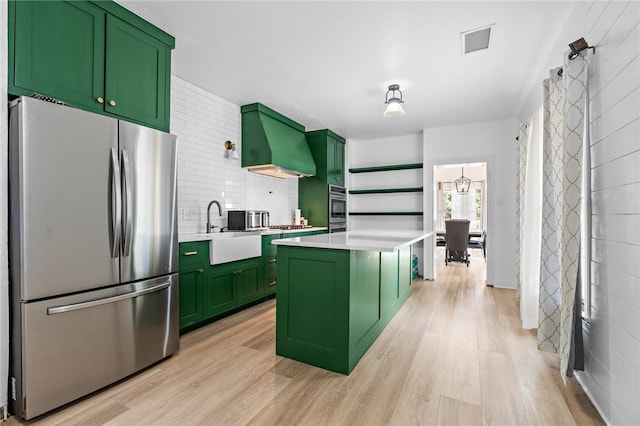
x=394 y=103
x=230 y=150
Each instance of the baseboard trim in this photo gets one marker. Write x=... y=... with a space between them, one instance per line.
x=511 y=285
x=578 y=375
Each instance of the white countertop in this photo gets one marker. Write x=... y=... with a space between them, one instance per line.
x=369 y=239
x=183 y=238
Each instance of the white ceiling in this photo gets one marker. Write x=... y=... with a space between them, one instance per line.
x=328 y=64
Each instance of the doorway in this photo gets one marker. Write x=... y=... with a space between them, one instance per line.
x=460 y=188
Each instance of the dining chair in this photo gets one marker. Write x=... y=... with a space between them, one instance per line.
x=457 y=235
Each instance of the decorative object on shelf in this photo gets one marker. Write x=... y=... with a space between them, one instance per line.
x=230 y=150
x=462 y=183
x=394 y=103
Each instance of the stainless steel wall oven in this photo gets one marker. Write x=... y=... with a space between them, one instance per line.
x=337 y=208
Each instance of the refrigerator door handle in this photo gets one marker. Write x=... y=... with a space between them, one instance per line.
x=115 y=197
x=82 y=305
x=127 y=203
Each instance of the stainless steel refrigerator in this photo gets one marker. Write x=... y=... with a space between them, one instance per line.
x=93 y=252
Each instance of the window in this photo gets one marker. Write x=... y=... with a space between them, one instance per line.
x=452 y=205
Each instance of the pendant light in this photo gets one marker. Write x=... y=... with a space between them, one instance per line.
x=462 y=184
x=394 y=103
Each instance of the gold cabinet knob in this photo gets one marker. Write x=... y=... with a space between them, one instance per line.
x=99 y=100
x=201 y=270
x=112 y=102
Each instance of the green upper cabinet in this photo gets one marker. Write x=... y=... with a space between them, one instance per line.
x=335 y=161
x=136 y=81
x=327 y=149
x=58 y=51
x=96 y=56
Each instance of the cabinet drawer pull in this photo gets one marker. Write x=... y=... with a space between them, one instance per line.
x=274 y=260
x=272 y=283
x=190 y=253
x=99 y=100
x=201 y=270
x=112 y=102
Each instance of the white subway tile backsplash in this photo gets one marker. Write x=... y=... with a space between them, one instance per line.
x=202 y=122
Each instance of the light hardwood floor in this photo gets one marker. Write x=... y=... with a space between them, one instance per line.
x=454 y=355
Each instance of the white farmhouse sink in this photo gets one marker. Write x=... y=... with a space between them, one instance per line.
x=230 y=246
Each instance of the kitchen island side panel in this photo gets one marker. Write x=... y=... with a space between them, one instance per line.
x=312 y=306
x=328 y=309
x=392 y=278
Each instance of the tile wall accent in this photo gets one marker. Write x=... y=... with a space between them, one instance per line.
x=203 y=122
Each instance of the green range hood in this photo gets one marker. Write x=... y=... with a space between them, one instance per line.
x=274 y=145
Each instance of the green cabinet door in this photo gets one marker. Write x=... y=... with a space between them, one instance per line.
x=58 y=51
x=190 y=295
x=219 y=290
x=335 y=162
x=249 y=280
x=137 y=73
x=404 y=270
x=338 y=163
x=269 y=263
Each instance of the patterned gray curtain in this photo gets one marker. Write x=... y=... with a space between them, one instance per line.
x=564 y=117
x=553 y=153
x=522 y=167
x=574 y=80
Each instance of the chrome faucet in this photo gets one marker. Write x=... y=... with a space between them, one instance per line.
x=209 y=226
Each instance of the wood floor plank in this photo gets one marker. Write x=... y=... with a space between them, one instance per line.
x=452 y=412
x=454 y=354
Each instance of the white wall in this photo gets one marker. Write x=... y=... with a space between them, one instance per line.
x=549 y=57
x=379 y=152
x=4 y=202
x=203 y=122
x=612 y=373
x=492 y=142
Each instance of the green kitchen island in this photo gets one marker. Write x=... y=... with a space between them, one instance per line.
x=337 y=292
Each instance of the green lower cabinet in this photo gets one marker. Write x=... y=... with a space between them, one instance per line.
x=270 y=275
x=190 y=290
x=219 y=293
x=209 y=291
x=269 y=263
x=333 y=304
x=249 y=280
x=404 y=271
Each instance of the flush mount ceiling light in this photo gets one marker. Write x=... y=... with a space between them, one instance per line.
x=394 y=103
x=230 y=150
x=462 y=183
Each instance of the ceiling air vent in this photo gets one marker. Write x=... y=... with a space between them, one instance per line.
x=475 y=40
